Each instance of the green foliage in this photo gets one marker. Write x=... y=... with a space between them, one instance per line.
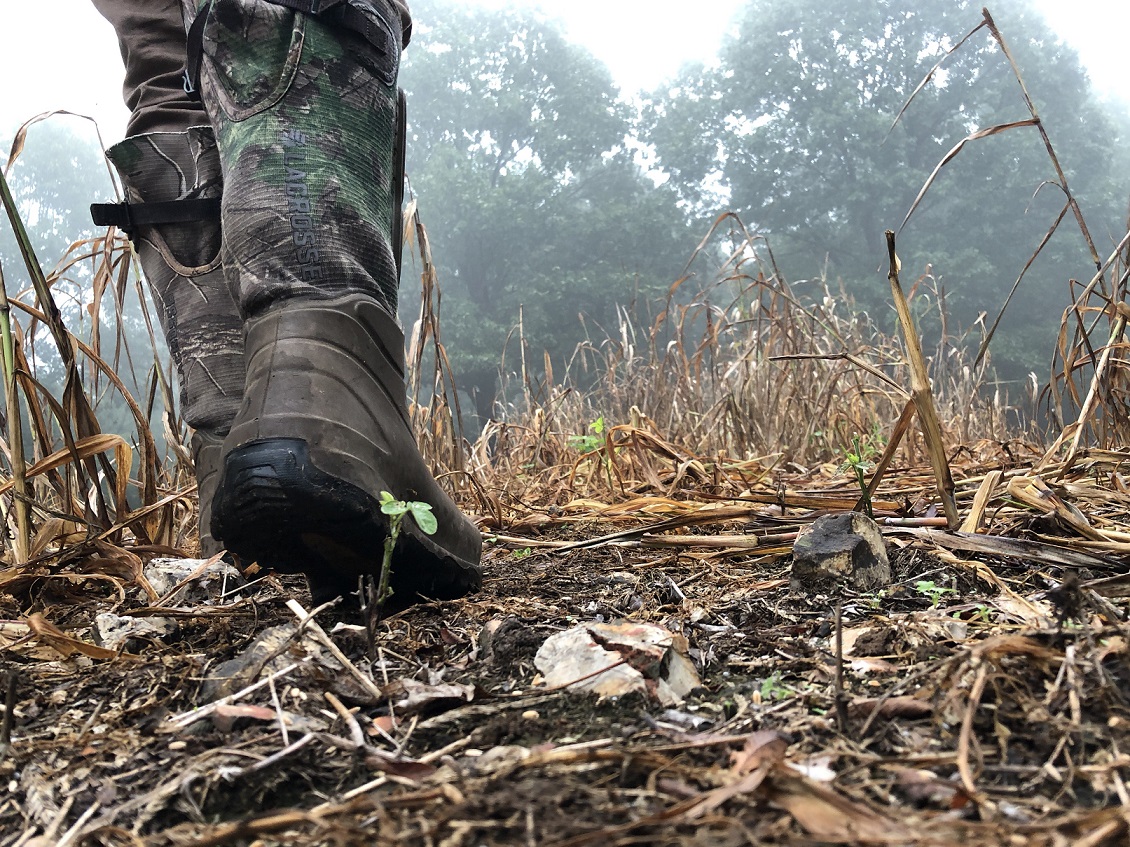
x=589 y=443
x=397 y=509
x=859 y=459
x=932 y=591
x=521 y=158
x=772 y=688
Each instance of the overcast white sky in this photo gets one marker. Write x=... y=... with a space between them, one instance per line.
x=60 y=54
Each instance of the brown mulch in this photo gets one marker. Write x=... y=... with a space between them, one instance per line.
x=984 y=693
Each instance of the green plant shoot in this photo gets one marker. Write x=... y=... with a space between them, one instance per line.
x=859 y=461
x=397 y=510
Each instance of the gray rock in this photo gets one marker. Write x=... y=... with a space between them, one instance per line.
x=112 y=631
x=617 y=659
x=836 y=550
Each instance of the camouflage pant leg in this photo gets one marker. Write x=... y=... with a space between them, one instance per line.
x=304 y=109
x=151 y=35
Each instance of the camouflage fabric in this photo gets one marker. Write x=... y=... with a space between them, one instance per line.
x=305 y=112
x=182 y=264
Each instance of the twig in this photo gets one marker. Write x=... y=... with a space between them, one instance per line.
x=897 y=435
x=306 y=619
x=355 y=731
x=188 y=718
x=841 y=697
x=71 y=834
x=9 y=714
x=1043 y=135
x=231 y=774
x=279 y=713
x=965 y=739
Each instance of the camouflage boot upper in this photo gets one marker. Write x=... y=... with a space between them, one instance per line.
x=305 y=112
x=181 y=261
x=182 y=264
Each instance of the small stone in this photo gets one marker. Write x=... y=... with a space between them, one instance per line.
x=112 y=631
x=612 y=660
x=531 y=715
x=840 y=549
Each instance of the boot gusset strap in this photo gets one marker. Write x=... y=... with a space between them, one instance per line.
x=339 y=12
x=129 y=216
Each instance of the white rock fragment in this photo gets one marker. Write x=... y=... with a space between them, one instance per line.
x=206 y=586
x=616 y=659
x=112 y=631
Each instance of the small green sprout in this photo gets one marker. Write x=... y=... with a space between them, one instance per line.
x=773 y=689
x=932 y=591
x=875 y=600
x=397 y=510
x=859 y=460
x=589 y=443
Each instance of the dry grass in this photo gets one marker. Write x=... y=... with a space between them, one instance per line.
x=750 y=375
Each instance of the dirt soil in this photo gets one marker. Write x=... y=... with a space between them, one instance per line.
x=981 y=699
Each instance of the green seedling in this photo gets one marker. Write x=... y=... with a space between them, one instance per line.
x=932 y=591
x=589 y=443
x=521 y=554
x=875 y=601
x=982 y=614
x=773 y=689
x=860 y=461
x=397 y=511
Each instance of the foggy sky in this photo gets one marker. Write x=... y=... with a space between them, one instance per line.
x=60 y=54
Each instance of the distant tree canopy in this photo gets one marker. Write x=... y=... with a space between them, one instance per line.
x=520 y=155
x=791 y=130
x=59 y=173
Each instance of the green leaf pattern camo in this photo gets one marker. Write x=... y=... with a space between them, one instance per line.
x=305 y=114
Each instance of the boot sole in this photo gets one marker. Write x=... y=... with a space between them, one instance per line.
x=276 y=507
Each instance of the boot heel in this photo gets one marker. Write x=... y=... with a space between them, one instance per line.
x=275 y=506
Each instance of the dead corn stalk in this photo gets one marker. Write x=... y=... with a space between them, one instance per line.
x=920 y=391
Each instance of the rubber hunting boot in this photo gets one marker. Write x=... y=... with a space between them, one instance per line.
x=306 y=112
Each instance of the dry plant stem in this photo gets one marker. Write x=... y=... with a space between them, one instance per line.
x=75 y=400
x=921 y=393
x=21 y=499
x=841 y=697
x=1077 y=308
x=981 y=501
x=1092 y=401
x=383 y=590
x=305 y=619
x=1043 y=135
x=900 y=430
x=965 y=738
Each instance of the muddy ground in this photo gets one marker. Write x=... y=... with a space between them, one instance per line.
x=976 y=707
